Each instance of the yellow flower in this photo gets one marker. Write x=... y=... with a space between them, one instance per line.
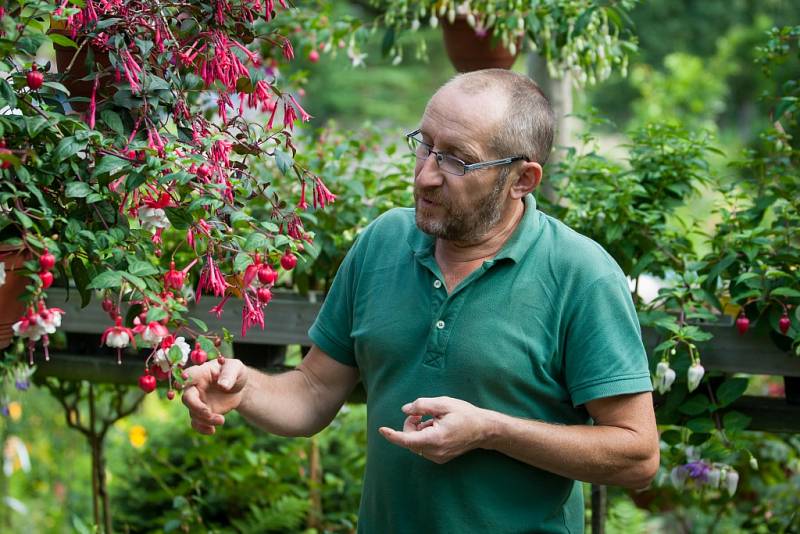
x=15 y=410
x=137 y=436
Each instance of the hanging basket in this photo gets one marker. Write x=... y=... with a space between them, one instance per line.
x=468 y=51
x=11 y=309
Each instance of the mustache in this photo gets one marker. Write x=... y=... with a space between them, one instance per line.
x=432 y=194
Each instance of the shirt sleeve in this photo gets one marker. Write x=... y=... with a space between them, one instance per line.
x=334 y=323
x=604 y=354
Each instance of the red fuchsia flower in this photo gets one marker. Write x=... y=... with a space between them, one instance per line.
x=304 y=116
x=202 y=228
x=154 y=332
x=288 y=51
x=153 y=215
x=117 y=337
x=289 y=115
x=322 y=195
x=93 y=103
x=220 y=152
x=174 y=279
x=251 y=315
x=302 y=204
x=219 y=308
x=211 y=278
x=131 y=70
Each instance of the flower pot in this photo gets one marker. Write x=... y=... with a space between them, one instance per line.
x=11 y=309
x=469 y=51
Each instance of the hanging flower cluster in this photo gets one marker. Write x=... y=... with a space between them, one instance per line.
x=154 y=170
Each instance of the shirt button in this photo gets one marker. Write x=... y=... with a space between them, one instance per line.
x=437 y=283
x=440 y=324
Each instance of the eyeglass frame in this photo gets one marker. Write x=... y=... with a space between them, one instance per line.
x=468 y=167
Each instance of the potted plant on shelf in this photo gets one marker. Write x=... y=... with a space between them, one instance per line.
x=142 y=197
x=582 y=37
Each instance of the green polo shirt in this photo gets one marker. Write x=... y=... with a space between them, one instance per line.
x=538 y=331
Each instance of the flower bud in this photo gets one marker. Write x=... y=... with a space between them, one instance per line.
x=694 y=376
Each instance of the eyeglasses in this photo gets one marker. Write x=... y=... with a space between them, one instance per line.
x=449 y=163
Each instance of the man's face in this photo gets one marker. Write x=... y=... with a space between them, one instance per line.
x=459 y=208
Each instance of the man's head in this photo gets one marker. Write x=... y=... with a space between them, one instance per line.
x=477 y=117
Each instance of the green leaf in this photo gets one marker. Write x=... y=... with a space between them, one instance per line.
x=67 y=147
x=671 y=437
x=207 y=345
x=200 y=324
x=694 y=405
x=180 y=218
x=388 y=41
x=8 y=94
x=256 y=241
x=700 y=424
x=785 y=292
x=113 y=121
x=730 y=390
x=156 y=314
x=135 y=280
x=723 y=264
x=175 y=354
x=110 y=165
x=81 y=278
x=284 y=161
x=141 y=268
x=78 y=190
x=736 y=421
x=106 y=280
x=58 y=87
x=786 y=104
x=241 y=262
x=62 y=40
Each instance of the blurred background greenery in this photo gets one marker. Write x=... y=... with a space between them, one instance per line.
x=695 y=67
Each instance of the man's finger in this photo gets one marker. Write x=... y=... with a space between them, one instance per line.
x=411 y=423
x=410 y=440
x=191 y=399
x=202 y=428
x=428 y=406
x=229 y=374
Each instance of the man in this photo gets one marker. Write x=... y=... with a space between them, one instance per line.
x=500 y=350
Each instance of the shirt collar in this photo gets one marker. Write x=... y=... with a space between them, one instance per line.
x=521 y=239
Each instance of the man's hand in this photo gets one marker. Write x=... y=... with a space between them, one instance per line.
x=212 y=390
x=455 y=427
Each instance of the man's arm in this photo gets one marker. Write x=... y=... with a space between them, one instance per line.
x=621 y=448
x=300 y=402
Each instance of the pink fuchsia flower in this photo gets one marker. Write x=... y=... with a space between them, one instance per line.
x=304 y=116
x=322 y=195
x=219 y=308
x=302 y=204
x=154 y=332
x=251 y=315
x=211 y=278
x=174 y=279
x=49 y=318
x=288 y=51
x=118 y=337
x=161 y=356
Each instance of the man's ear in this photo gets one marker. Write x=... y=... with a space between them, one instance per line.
x=528 y=179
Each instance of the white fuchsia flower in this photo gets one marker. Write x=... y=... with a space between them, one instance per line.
x=161 y=356
x=731 y=481
x=117 y=337
x=154 y=332
x=153 y=218
x=28 y=326
x=694 y=376
x=49 y=318
x=665 y=376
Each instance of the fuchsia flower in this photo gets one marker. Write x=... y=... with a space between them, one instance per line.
x=211 y=278
x=288 y=51
x=251 y=315
x=304 y=116
x=161 y=356
x=154 y=332
x=118 y=337
x=302 y=204
x=322 y=195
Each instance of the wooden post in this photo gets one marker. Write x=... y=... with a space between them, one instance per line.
x=598 y=509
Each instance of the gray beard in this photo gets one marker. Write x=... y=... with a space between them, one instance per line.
x=464 y=225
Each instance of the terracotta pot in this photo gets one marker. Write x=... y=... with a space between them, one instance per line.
x=467 y=51
x=11 y=309
x=72 y=80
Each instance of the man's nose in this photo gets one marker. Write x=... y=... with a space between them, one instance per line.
x=427 y=172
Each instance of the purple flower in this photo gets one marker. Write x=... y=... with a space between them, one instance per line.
x=698 y=470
